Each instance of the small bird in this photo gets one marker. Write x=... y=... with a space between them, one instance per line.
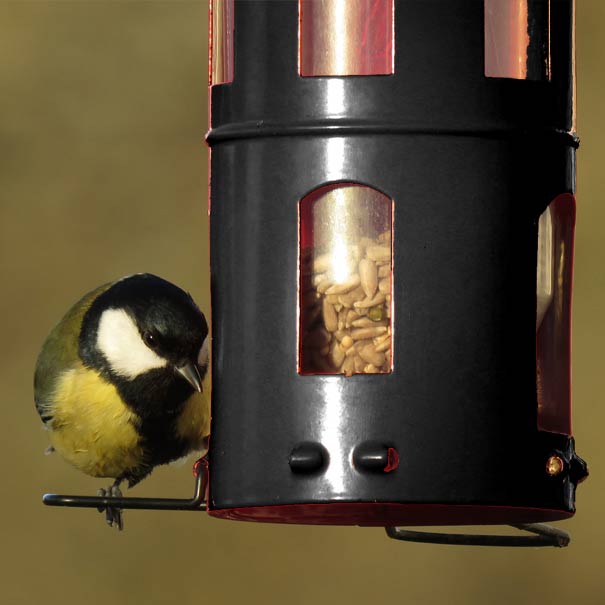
x=118 y=381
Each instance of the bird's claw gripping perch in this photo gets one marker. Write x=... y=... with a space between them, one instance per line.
x=112 y=502
x=113 y=514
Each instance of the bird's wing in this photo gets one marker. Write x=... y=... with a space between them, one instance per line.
x=60 y=353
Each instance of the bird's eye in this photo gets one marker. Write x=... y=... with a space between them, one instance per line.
x=150 y=340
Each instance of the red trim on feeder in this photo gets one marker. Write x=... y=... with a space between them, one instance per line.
x=377 y=514
x=393 y=460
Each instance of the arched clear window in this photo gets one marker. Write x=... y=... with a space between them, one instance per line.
x=517 y=40
x=221 y=41
x=346 y=37
x=346 y=275
x=553 y=314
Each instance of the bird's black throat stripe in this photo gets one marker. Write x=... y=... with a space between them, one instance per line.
x=158 y=398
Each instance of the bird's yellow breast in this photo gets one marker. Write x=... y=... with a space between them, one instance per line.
x=193 y=424
x=92 y=428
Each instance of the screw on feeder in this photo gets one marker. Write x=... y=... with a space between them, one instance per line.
x=554 y=466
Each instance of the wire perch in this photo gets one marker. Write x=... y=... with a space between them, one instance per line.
x=544 y=535
x=197 y=502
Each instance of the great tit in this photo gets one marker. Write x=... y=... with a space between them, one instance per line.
x=118 y=381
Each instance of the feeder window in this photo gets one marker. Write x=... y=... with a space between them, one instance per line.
x=346 y=37
x=221 y=41
x=517 y=41
x=345 y=281
x=553 y=315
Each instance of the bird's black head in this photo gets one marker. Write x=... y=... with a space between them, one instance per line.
x=148 y=337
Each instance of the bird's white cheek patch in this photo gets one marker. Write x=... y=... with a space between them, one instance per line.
x=119 y=340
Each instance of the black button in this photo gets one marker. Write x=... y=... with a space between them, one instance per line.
x=374 y=456
x=308 y=457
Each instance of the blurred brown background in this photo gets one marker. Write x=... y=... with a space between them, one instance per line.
x=103 y=173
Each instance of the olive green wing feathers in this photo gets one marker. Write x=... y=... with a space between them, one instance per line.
x=60 y=353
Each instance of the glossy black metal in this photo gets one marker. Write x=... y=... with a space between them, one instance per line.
x=438 y=84
x=371 y=456
x=196 y=502
x=308 y=458
x=470 y=162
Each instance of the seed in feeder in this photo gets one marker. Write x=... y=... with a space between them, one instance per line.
x=376 y=313
x=344 y=287
x=354 y=312
x=330 y=316
x=370 y=355
x=348 y=299
x=382 y=338
x=384 y=270
x=348 y=366
x=318 y=279
x=351 y=317
x=322 y=263
x=351 y=351
x=368 y=275
x=346 y=342
x=338 y=355
x=385 y=236
x=370 y=302
x=385 y=285
x=364 y=333
x=367 y=322
x=384 y=345
x=323 y=285
x=379 y=253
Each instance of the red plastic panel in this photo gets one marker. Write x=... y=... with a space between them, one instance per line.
x=553 y=335
x=346 y=37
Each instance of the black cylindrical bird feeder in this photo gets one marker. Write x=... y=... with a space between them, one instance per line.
x=392 y=219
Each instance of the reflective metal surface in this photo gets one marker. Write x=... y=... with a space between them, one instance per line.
x=221 y=41
x=346 y=37
x=517 y=39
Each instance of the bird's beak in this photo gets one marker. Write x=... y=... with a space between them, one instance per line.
x=192 y=375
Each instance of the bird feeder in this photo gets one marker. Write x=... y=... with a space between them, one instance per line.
x=392 y=217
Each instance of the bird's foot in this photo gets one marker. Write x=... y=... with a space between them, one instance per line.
x=113 y=515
